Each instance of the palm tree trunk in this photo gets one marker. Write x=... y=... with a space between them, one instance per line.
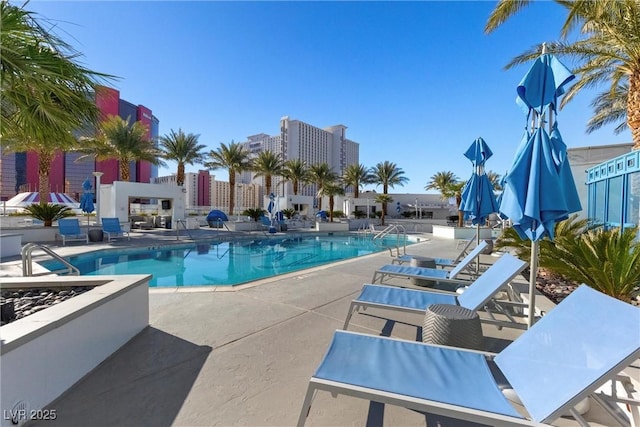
x=331 y=205
x=460 y=213
x=180 y=174
x=44 y=169
x=633 y=108
x=232 y=186
x=125 y=174
x=385 y=190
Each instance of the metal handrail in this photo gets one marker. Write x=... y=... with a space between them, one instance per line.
x=27 y=261
x=184 y=225
x=399 y=230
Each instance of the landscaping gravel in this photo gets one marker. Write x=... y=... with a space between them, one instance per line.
x=29 y=301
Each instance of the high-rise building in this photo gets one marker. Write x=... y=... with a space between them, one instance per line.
x=300 y=140
x=19 y=171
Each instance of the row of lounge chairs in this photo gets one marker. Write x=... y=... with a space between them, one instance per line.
x=69 y=230
x=546 y=373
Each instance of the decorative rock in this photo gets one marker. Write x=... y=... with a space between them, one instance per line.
x=26 y=302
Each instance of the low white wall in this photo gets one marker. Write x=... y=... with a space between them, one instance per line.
x=45 y=353
x=35 y=233
x=460 y=232
x=10 y=244
x=332 y=226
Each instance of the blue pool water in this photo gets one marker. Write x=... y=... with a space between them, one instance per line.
x=225 y=263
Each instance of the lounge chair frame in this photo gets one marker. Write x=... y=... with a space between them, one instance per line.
x=440 y=262
x=112 y=228
x=570 y=383
x=393 y=270
x=485 y=288
x=69 y=230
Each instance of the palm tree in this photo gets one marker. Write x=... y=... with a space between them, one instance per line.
x=355 y=176
x=609 y=53
x=124 y=141
x=383 y=199
x=267 y=164
x=449 y=185
x=235 y=159
x=610 y=108
x=296 y=171
x=182 y=148
x=494 y=179
x=321 y=175
x=387 y=174
x=331 y=189
x=46 y=93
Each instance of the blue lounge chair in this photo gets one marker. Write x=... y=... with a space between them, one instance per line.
x=475 y=297
x=440 y=262
x=562 y=359
x=394 y=270
x=69 y=229
x=111 y=227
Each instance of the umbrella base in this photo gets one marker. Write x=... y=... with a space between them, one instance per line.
x=95 y=235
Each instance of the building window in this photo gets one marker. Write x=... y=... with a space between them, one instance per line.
x=599 y=201
x=614 y=202
x=632 y=214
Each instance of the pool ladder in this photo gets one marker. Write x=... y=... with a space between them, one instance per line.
x=27 y=261
x=182 y=222
x=400 y=232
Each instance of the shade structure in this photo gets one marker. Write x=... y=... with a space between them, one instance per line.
x=539 y=188
x=216 y=215
x=24 y=199
x=86 y=201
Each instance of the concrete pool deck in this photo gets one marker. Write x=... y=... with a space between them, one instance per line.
x=244 y=357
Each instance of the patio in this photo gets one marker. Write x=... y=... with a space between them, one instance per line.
x=244 y=357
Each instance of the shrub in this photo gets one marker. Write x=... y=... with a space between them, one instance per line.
x=253 y=213
x=583 y=252
x=289 y=213
x=48 y=212
x=359 y=214
x=606 y=260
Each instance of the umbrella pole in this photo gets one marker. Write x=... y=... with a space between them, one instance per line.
x=477 y=243
x=533 y=275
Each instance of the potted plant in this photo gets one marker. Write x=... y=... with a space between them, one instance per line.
x=48 y=212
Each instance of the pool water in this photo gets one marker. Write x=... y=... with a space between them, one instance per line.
x=226 y=263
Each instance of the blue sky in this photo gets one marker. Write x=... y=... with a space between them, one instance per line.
x=415 y=82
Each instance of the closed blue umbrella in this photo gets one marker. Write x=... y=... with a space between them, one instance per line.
x=86 y=201
x=478 y=200
x=539 y=187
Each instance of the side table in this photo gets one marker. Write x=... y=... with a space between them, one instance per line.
x=420 y=261
x=95 y=235
x=452 y=325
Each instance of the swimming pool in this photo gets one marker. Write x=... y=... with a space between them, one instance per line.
x=226 y=263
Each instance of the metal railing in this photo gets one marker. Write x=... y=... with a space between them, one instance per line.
x=401 y=239
x=27 y=261
x=182 y=222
